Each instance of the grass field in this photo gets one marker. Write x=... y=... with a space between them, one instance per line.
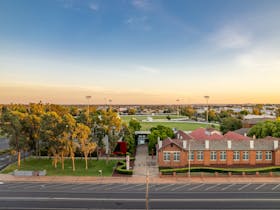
x=185 y=126
x=40 y=164
x=126 y=118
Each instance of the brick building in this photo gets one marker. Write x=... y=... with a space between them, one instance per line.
x=218 y=153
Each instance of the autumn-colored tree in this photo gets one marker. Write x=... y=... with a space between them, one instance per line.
x=82 y=134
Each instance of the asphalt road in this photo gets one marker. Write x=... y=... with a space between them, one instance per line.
x=132 y=196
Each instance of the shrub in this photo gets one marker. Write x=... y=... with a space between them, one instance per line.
x=121 y=169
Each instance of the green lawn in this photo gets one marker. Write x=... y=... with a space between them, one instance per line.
x=185 y=126
x=40 y=164
x=126 y=118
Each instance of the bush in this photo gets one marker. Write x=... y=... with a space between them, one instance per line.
x=220 y=170
x=121 y=169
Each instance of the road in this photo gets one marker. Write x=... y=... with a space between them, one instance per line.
x=28 y=195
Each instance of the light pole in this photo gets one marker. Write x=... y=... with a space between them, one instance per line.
x=189 y=159
x=88 y=99
x=207 y=98
x=178 y=101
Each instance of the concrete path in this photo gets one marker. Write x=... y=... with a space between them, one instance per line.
x=144 y=164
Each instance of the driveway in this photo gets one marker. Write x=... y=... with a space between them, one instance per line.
x=144 y=164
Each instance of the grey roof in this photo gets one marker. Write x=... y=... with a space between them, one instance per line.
x=259 y=144
x=242 y=131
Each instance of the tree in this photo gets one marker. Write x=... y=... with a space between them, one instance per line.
x=131 y=111
x=82 y=134
x=161 y=132
x=134 y=124
x=230 y=124
x=50 y=133
x=188 y=111
x=12 y=125
x=267 y=128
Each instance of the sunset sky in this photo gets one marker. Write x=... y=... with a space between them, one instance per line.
x=140 y=51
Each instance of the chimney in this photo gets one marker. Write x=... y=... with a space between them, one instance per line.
x=251 y=144
x=275 y=145
x=184 y=144
x=229 y=144
x=159 y=143
x=206 y=144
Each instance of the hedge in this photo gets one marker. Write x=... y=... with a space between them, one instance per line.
x=2 y=152
x=221 y=170
x=121 y=169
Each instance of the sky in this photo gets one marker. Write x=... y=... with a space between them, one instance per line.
x=139 y=51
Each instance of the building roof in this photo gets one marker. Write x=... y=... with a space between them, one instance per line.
x=242 y=131
x=204 y=134
x=222 y=145
x=182 y=135
x=235 y=136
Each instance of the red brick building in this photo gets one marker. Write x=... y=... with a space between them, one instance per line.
x=222 y=152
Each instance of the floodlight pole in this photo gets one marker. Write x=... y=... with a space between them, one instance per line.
x=207 y=98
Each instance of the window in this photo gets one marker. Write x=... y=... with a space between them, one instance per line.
x=245 y=155
x=213 y=155
x=259 y=155
x=223 y=155
x=191 y=155
x=236 y=155
x=176 y=156
x=200 y=155
x=268 y=155
x=166 y=156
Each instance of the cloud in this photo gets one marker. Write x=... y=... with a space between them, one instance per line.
x=231 y=37
x=141 y=4
x=138 y=23
x=259 y=60
x=94 y=7
x=148 y=70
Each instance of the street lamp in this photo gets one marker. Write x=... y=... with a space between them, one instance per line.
x=207 y=98
x=189 y=159
x=88 y=99
x=178 y=101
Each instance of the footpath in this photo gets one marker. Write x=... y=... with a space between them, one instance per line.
x=137 y=179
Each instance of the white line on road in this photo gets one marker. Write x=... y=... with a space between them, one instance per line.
x=211 y=187
x=163 y=187
x=141 y=199
x=275 y=187
x=198 y=186
x=244 y=186
x=181 y=186
x=1 y=182
x=259 y=187
x=225 y=188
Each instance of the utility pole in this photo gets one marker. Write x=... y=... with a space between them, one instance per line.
x=207 y=98
x=147 y=190
x=88 y=98
x=189 y=152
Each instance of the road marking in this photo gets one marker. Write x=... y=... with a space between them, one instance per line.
x=226 y=187
x=141 y=199
x=211 y=187
x=259 y=187
x=181 y=186
x=244 y=186
x=195 y=187
x=275 y=187
x=1 y=182
x=131 y=186
x=163 y=187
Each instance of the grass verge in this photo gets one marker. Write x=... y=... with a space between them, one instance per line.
x=40 y=164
